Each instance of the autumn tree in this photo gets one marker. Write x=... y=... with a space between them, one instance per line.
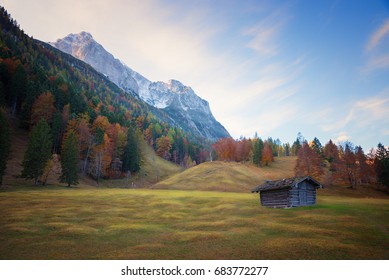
x=330 y=151
x=43 y=107
x=308 y=162
x=5 y=144
x=225 y=149
x=163 y=147
x=38 y=151
x=267 y=154
x=316 y=146
x=243 y=149
x=53 y=166
x=69 y=159
x=345 y=166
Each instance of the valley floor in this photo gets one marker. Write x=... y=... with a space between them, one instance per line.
x=81 y=223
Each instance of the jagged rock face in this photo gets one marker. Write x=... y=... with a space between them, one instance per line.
x=184 y=108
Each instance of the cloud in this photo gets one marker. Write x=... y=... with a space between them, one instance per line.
x=377 y=62
x=377 y=36
x=342 y=137
x=376 y=49
x=365 y=118
x=263 y=34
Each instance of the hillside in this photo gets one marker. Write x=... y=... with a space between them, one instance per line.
x=228 y=176
x=239 y=177
x=153 y=167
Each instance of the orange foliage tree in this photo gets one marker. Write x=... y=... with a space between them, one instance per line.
x=43 y=107
x=267 y=154
x=308 y=162
x=163 y=147
x=225 y=149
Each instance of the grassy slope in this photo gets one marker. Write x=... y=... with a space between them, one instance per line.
x=170 y=224
x=228 y=176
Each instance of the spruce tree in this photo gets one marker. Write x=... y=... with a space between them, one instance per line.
x=69 y=160
x=5 y=144
x=381 y=164
x=131 y=157
x=38 y=151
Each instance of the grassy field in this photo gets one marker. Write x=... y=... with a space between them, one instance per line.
x=168 y=224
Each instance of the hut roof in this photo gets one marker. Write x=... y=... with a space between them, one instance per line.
x=285 y=184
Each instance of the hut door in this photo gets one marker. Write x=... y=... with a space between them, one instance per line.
x=303 y=195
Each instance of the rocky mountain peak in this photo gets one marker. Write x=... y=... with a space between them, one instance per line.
x=184 y=108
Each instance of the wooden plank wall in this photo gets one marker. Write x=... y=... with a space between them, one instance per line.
x=294 y=198
x=275 y=198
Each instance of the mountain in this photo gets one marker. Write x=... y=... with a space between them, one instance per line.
x=180 y=103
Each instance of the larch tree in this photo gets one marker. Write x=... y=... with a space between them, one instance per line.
x=345 y=166
x=70 y=159
x=308 y=162
x=364 y=170
x=267 y=154
x=225 y=149
x=38 y=151
x=330 y=151
x=163 y=147
x=43 y=107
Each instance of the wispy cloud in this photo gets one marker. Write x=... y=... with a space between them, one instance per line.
x=377 y=36
x=377 y=62
x=376 y=49
x=263 y=34
x=363 y=114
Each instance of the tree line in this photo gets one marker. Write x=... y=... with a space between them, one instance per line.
x=347 y=164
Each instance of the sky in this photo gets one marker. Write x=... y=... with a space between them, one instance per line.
x=272 y=67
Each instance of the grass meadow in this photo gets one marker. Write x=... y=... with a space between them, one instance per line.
x=61 y=223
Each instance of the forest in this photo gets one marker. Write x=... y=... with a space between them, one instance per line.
x=81 y=123
x=55 y=96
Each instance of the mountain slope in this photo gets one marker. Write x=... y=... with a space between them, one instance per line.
x=182 y=106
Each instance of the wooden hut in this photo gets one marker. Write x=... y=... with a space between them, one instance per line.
x=289 y=192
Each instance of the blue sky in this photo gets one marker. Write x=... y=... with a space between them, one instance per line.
x=273 y=67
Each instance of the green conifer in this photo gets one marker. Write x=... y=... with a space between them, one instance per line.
x=38 y=151
x=69 y=160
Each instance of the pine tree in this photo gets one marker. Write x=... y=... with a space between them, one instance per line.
x=5 y=144
x=69 y=160
x=38 y=151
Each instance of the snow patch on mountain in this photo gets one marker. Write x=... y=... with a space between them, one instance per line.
x=180 y=102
